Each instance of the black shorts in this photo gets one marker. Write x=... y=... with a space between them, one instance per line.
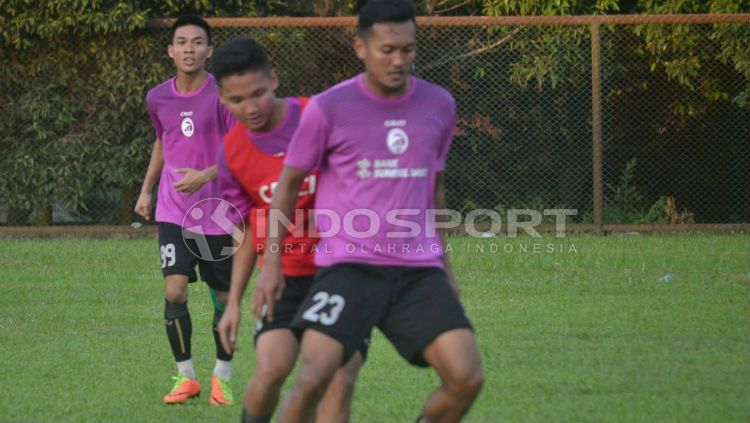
x=295 y=292
x=284 y=310
x=178 y=259
x=411 y=306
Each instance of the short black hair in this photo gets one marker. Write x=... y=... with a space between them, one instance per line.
x=239 y=56
x=190 y=20
x=378 y=11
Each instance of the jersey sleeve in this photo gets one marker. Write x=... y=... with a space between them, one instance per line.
x=447 y=136
x=158 y=129
x=231 y=190
x=308 y=144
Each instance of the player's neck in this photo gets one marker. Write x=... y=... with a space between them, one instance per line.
x=383 y=91
x=187 y=83
x=279 y=111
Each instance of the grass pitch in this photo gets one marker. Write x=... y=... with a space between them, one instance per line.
x=577 y=329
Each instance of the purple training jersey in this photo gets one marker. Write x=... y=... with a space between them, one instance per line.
x=191 y=128
x=378 y=159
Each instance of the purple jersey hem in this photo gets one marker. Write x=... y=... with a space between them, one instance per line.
x=370 y=260
x=206 y=232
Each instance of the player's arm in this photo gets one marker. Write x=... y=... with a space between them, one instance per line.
x=270 y=284
x=243 y=263
x=143 y=205
x=194 y=179
x=440 y=204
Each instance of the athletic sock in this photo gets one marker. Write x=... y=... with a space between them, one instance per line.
x=220 y=353
x=179 y=329
x=185 y=368
x=223 y=369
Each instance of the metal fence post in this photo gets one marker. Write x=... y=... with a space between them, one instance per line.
x=596 y=121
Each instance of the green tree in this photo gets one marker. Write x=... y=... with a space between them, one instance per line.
x=75 y=128
x=678 y=50
x=51 y=140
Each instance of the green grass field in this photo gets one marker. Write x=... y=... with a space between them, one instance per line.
x=566 y=336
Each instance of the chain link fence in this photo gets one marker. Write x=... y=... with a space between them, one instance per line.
x=642 y=124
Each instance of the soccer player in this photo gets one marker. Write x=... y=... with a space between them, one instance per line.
x=248 y=166
x=380 y=141
x=190 y=123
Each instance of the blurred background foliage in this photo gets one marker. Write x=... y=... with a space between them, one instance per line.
x=75 y=135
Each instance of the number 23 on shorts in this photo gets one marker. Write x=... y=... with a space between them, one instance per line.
x=321 y=300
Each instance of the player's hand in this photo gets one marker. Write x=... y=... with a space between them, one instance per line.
x=143 y=205
x=191 y=182
x=269 y=288
x=228 y=327
x=453 y=282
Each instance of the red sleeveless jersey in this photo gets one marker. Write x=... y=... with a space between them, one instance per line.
x=258 y=173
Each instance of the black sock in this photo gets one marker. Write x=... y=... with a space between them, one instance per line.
x=220 y=353
x=179 y=329
x=249 y=418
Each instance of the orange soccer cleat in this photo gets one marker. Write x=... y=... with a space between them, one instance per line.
x=221 y=393
x=184 y=389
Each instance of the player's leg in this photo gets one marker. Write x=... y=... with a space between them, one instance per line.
x=275 y=354
x=455 y=357
x=217 y=274
x=178 y=268
x=320 y=357
x=338 y=314
x=178 y=323
x=336 y=404
x=221 y=393
x=429 y=327
x=276 y=349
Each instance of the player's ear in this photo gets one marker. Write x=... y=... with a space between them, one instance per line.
x=170 y=51
x=210 y=52
x=359 y=47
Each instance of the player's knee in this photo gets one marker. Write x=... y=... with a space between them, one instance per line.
x=475 y=382
x=175 y=294
x=271 y=376
x=465 y=384
x=310 y=385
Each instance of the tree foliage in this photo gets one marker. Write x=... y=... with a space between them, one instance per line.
x=75 y=74
x=72 y=100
